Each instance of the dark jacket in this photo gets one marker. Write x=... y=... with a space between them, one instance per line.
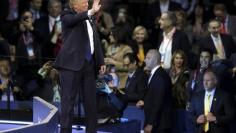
x=74 y=40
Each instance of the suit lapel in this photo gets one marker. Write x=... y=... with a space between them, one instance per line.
x=224 y=42
x=212 y=45
x=215 y=101
x=202 y=97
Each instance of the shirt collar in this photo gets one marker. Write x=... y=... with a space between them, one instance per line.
x=170 y=34
x=154 y=69
x=54 y=19
x=212 y=92
x=215 y=38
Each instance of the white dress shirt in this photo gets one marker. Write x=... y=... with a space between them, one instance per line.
x=90 y=33
x=166 y=49
x=218 y=44
x=52 y=21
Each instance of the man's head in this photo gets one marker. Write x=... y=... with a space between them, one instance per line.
x=153 y=58
x=206 y=57
x=214 y=27
x=168 y=20
x=130 y=61
x=36 y=4
x=54 y=8
x=209 y=80
x=220 y=12
x=79 y=5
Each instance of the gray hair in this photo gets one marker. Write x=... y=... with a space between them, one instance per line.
x=172 y=17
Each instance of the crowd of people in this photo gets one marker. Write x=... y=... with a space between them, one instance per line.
x=163 y=56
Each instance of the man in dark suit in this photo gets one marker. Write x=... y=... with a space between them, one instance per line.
x=77 y=62
x=171 y=39
x=212 y=110
x=136 y=82
x=158 y=100
x=49 y=29
x=222 y=45
x=195 y=84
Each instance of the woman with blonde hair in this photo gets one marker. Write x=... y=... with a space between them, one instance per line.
x=140 y=44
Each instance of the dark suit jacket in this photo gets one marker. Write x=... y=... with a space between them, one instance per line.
x=158 y=101
x=227 y=41
x=180 y=41
x=74 y=39
x=42 y=27
x=136 y=87
x=222 y=107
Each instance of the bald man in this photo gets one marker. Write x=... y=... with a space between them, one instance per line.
x=212 y=110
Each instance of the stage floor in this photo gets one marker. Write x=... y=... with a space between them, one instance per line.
x=12 y=126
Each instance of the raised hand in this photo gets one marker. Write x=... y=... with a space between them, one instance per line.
x=96 y=6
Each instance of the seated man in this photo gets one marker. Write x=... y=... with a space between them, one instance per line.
x=136 y=83
x=111 y=102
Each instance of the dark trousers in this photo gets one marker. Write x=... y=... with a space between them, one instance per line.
x=70 y=82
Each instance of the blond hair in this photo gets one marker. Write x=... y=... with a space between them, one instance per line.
x=140 y=28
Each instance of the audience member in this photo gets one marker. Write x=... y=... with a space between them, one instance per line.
x=171 y=40
x=118 y=47
x=136 y=83
x=227 y=21
x=212 y=110
x=28 y=54
x=195 y=83
x=49 y=29
x=179 y=76
x=140 y=44
x=222 y=45
x=8 y=85
x=104 y=21
x=35 y=9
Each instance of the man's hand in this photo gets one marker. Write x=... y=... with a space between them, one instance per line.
x=201 y=119
x=96 y=7
x=210 y=117
x=102 y=69
x=140 y=104
x=148 y=128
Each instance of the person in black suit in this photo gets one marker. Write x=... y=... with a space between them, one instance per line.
x=49 y=29
x=195 y=83
x=212 y=110
x=77 y=62
x=222 y=45
x=171 y=39
x=136 y=82
x=158 y=100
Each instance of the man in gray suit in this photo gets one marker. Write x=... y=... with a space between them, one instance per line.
x=77 y=62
